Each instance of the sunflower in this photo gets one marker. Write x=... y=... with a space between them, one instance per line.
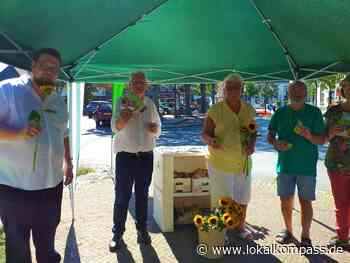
x=236 y=208
x=47 y=89
x=252 y=127
x=213 y=220
x=225 y=201
x=226 y=216
x=198 y=220
x=231 y=222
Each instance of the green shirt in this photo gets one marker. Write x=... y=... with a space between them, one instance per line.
x=302 y=157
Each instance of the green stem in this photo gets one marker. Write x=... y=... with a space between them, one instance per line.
x=36 y=146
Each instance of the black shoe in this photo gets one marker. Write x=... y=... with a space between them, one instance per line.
x=305 y=242
x=143 y=238
x=284 y=237
x=115 y=243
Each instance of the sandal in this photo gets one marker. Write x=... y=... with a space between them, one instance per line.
x=284 y=237
x=305 y=242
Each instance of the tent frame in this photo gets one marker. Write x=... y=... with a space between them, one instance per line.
x=294 y=67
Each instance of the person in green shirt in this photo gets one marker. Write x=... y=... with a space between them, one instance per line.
x=295 y=130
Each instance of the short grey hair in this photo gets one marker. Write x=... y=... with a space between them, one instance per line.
x=232 y=77
x=296 y=83
x=221 y=85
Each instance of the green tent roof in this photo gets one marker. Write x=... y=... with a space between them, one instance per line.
x=181 y=41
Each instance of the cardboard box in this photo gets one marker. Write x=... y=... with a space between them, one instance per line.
x=182 y=185
x=185 y=208
x=200 y=185
x=192 y=202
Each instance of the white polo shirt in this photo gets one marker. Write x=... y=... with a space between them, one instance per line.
x=134 y=137
x=17 y=100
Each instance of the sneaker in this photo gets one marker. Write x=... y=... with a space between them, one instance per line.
x=284 y=237
x=143 y=238
x=115 y=243
x=244 y=235
x=336 y=242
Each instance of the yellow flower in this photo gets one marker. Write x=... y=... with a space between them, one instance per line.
x=229 y=209
x=198 y=220
x=252 y=127
x=237 y=208
x=46 y=89
x=231 y=222
x=225 y=201
x=213 y=220
x=226 y=216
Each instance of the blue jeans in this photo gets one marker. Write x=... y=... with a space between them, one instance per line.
x=132 y=169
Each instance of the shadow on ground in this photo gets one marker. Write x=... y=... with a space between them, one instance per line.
x=71 y=252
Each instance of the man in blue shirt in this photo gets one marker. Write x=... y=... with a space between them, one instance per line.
x=33 y=147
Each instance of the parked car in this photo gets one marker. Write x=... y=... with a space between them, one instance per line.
x=91 y=107
x=103 y=115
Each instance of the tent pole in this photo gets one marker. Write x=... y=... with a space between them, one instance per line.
x=16 y=45
x=126 y=75
x=291 y=61
x=322 y=69
x=314 y=70
x=9 y=51
x=86 y=62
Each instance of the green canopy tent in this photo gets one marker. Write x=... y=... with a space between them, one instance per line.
x=180 y=41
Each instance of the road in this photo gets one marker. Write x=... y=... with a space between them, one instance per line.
x=96 y=147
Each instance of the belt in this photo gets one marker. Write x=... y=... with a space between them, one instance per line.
x=137 y=154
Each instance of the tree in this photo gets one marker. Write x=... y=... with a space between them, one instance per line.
x=251 y=90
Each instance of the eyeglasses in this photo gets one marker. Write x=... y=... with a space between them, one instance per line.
x=139 y=82
x=48 y=67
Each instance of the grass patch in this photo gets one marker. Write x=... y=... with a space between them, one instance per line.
x=84 y=170
x=2 y=246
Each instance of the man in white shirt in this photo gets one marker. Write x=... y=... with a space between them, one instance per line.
x=137 y=130
x=33 y=146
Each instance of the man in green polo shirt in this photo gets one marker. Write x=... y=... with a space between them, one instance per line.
x=299 y=128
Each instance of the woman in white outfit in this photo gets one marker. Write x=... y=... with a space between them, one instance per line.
x=228 y=172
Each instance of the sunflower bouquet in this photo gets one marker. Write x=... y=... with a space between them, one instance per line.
x=248 y=134
x=227 y=215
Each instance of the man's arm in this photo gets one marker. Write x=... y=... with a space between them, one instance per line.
x=271 y=137
x=313 y=138
x=7 y=134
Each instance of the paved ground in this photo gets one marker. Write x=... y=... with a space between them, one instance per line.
x=87 y=239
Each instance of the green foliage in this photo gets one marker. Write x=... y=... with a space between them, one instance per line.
x=265 y=89
x=250 y=89
x=2 y=246
x=84 y=170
